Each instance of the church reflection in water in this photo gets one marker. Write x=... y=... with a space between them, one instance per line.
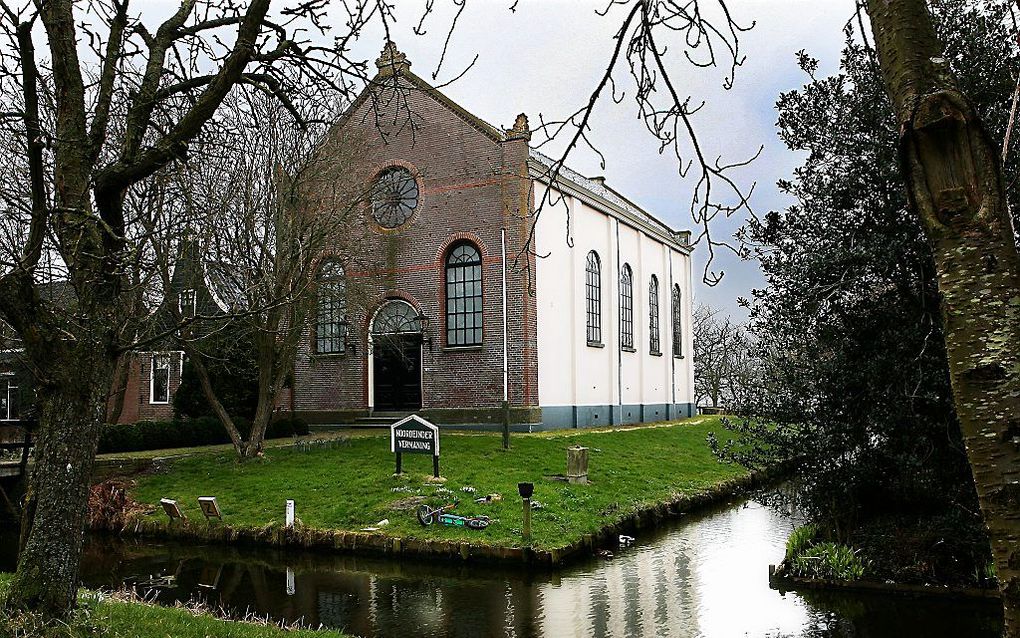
x=706 y=576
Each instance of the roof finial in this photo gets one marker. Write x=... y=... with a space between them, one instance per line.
x=391 y=61
x=521 y=130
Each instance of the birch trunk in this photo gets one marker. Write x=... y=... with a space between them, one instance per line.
x=955 y=186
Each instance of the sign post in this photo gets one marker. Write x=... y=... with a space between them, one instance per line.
x=415 y=435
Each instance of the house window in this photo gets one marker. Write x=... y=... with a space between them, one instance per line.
x=593 y=288
x=8 y=400
x=186 y=302
x=653 y=316
x=626 y=307
x=329 y=324
x=464 y=296
x=678 y=348
x=394 y=197
x=159 y=378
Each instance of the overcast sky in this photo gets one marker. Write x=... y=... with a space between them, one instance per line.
x=546 y=57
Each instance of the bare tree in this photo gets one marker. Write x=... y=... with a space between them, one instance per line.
x=279 y=204
x=105 y=104
x=723 y=366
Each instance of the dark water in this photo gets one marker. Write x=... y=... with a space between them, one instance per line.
x=704 y=576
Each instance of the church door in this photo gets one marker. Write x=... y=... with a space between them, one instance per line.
x=397 y=363
x=396 y=357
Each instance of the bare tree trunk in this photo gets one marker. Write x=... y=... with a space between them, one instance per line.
x=53 y=530
x=954 y=181
x=205 y=381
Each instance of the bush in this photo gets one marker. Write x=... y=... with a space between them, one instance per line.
x=801 y=539
x=158 y=435
x=829 y=561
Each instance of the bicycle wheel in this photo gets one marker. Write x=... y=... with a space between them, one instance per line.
x=425 y=515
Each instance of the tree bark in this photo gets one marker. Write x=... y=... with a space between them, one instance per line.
x=955 y=186
x=71 y=412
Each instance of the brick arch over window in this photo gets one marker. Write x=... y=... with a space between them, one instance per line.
x=462 y=268
x=593 y=297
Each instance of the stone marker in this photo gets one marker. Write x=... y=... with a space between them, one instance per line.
x=577 y=464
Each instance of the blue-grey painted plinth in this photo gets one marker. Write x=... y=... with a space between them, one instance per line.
x=558 y=417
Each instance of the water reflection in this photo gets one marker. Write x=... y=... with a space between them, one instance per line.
x=706 y=576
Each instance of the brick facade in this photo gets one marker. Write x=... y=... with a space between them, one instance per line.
x=473 y=184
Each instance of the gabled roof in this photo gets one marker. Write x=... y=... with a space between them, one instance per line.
x=394 y=66
x=596 y=193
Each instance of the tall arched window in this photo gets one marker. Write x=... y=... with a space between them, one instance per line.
x=678 y=333
x=593 y=293
x=626 y=307
x=653 y=316
x=464 y=296
x=330 y=311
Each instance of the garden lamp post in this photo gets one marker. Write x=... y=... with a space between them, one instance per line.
x=526 y=490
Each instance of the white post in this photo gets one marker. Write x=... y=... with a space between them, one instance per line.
x=290 y=513
x=291 y=587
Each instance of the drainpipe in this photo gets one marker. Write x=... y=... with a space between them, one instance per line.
x=672 y=327
x=506 y=360
x=619 y=325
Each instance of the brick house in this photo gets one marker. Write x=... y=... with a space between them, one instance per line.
x=457 y=315
x=144 y=390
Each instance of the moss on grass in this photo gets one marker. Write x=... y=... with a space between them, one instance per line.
x=351 y=487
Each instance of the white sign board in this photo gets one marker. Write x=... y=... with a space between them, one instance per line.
x=290 y=513
x=414 y=435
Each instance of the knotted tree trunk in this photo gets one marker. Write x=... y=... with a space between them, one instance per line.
x=954 y=182
x=71 y=411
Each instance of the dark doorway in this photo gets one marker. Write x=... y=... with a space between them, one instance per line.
x=397 y=372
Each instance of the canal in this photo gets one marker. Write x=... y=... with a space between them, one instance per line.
x=701 y=576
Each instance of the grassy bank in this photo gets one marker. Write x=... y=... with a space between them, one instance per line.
x=101 y=615
x=352 y=486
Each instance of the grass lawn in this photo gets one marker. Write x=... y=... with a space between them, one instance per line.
x=101 y=616
x=352 y=486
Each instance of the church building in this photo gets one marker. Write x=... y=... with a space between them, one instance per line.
x=467 y=291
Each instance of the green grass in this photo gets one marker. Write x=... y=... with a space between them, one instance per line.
x=99 y=615
x=350 y=487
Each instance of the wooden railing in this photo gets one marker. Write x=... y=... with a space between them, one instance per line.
x=15 y=437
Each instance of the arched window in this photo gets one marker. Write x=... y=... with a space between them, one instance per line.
x=593 y=293
x=653 y=316
x=330 y=311
x=463 y=296
x=396 y=317
x=678 y=341
x=626 y=307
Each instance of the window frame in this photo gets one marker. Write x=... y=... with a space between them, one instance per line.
x=593 y=299
x=191 y=294
x=463 y=336
x=11 y=397
x=627 y=308
x=378 y=202
x=677 y=322
x=654 y=336
x=167 y=356
x=331 y=288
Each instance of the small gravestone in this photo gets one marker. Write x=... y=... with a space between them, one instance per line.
x=577 y=464
x=415 y=435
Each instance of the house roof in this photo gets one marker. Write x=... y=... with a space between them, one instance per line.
x=393 y=63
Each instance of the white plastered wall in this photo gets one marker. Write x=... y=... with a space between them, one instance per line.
x=572 y=373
